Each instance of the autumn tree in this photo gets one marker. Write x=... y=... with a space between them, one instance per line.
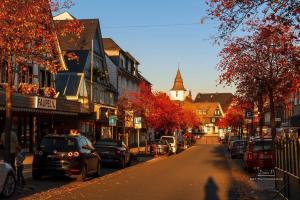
x=269 y=57
x=233 y=118
x=232 y=14
x=28 y=34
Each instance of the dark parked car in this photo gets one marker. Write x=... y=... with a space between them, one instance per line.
x=259 y=154
x=66 y=155
x=160 y=147
x=238 y=148
x=230 y=140
x=113 y=152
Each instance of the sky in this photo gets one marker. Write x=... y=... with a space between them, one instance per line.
x=161 y=35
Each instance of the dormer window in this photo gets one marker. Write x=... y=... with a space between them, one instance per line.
x=217 y=112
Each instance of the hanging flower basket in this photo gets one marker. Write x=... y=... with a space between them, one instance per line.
x=27 y=88
x=48 y=92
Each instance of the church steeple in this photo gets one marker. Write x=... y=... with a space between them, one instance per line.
x=178 y=82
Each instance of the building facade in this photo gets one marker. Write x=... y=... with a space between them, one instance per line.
x=87 y=79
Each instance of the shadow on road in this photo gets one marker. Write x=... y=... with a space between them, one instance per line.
x=53 y=182
x=211 y=190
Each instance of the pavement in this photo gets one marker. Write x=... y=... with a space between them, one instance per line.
x=200 y=172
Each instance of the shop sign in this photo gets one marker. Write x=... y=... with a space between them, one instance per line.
x=277 y=119
x=249 y=114
x=128 y=119
x=112 y=120
x=45 y=103
x=137 y=122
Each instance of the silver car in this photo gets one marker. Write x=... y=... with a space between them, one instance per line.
x=7 y=180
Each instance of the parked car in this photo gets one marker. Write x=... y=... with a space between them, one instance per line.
x=172 y=141
x=238 y=148
x=230 y=140
x=7 y=180
x=113 y=152
x=259 y=154
x=160 y=147
x=66 y=155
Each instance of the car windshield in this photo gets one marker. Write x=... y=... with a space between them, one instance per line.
x=59 y=144
x=108 y=143
x=169 y=139
x=239 y=143
x=262 y=146
x=162 y=142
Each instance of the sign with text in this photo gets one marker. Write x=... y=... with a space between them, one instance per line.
x=112 y=120
x=45 y=103
x=128 y=119
x=249 y=114
x=137 y=122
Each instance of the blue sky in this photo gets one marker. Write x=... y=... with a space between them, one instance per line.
x=160 y=48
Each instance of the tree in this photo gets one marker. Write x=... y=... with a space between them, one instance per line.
x=233 y=118
x=28 y=34
x=269 y=57
x=232 y=13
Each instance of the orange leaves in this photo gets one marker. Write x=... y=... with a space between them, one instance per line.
x=27 y=31
x=158 y=111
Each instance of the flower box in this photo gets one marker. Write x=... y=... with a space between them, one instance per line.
x=27 y=88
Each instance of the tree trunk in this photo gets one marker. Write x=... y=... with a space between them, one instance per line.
x=260 y=107
x=272 y=113
x=8 y=111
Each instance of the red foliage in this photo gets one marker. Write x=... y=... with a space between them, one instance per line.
x=158 y=111
x=234 y=117
x=268 y=60
x=233 y=13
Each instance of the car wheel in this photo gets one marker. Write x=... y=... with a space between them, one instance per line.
x=122 y=163
x=9 y=187
x=98 y=173
x=83 y=175
x=36 y=175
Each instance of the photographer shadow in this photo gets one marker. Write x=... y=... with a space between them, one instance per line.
x=211 y=190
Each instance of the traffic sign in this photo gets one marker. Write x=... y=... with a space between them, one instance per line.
x=249 y=114
x=112 y=120
x=137 y=122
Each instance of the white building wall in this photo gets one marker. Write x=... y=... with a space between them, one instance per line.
x=180 y=96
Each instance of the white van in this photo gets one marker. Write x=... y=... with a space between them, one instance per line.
x=172 y=141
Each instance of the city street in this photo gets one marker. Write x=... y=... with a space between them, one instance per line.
x=201 y=172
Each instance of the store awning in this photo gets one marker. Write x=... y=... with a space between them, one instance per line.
x=32 y=110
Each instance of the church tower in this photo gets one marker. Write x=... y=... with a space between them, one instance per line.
x=178 y=92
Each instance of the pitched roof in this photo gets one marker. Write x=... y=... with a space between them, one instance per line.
x=224 y=99
x=110 y=44
x=84 y=41
x=210 y=107
x=178 y=82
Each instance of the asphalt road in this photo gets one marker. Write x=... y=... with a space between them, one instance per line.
x=201 y=172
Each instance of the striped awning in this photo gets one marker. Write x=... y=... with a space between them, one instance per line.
x=43 y=111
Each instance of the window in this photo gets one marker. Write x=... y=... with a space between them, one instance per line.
x=3 y=73
x=202 y=112
x=217 y=112
x=45 y=78
x=26 y=74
